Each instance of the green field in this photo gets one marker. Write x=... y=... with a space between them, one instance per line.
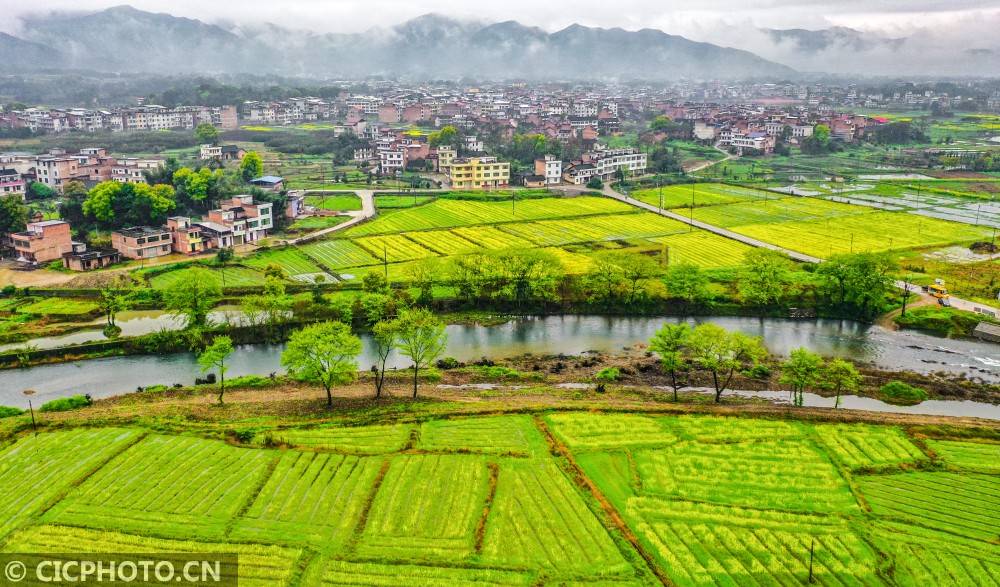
x=822 y=228
x=516 y=500
x=228 y=277
x=335 y=202
x=698 y=195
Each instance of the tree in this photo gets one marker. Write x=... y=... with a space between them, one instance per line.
x=447 y=136
x=801 y=370
x=421 y=337
x=861 y=280
x=661 y=123
x=270 y=308
x=385 y=335
x=762 y=281
x=715 y=349
x=193 y=298
x=423 y=276
x=113 y=204
x=206 y=134
x=252 y=166
x=13 y=214
x=670 y=342
x=686 y=281
x=323 y=353
x=637 y=270
x=595 y=183
x=840 y=376
x=214 y=356
x=117 y=296
x=39 y=191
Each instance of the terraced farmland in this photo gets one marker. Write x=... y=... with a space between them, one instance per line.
x=394 y=248
x=522 y=499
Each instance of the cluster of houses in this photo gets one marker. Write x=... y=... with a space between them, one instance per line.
x=136 y=118
x=56 y=168
x=237 y=221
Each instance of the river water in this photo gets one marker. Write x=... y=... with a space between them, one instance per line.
x=890 y=350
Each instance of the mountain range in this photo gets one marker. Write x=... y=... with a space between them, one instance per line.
x=124 y=39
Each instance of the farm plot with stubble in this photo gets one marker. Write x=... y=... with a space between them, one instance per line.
x=538 y=498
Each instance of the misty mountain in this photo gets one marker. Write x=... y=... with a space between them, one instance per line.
x=124 y=39
x=817 y=41
x=23 y=55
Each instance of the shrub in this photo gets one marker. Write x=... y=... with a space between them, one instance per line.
x=250 y=381
x=7 y=411
x=66 y=403
x=608 y=375
x=9 y=290
x=448 y=363
x=902 y=394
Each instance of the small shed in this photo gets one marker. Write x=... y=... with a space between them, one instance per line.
x=987 y=331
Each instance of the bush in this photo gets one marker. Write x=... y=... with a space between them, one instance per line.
x=503 y=373
x=758 y=371
x=250 y=381
x=902 y=394
x=448 y=363
x=7 y=411
x=66 y=403
x=595 y=184
x=608 y=375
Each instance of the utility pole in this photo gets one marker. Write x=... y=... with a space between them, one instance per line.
x=812 y=548
x=31 y=408
x=385 y=262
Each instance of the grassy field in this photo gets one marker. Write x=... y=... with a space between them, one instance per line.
x=228 y=277
x=567 y=498
x=336 y=202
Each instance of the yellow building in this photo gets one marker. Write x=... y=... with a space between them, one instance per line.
x=445 y=156
x=479 y=173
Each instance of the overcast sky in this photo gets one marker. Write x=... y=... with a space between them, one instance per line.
x=693 y=18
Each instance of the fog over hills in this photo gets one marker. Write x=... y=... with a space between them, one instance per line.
x=124 y=39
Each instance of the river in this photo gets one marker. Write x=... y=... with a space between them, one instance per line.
x=890 y=350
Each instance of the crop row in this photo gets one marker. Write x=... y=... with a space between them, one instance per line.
x=868 y=446
x=455 y=213
x=35 y=470
x=705 y=545
x=976 y=456
x=966 y=505
x=774 y=211
x=292 y=261
x=704 y=249
x=701 y=194
x=339 y=254
x=788 y=475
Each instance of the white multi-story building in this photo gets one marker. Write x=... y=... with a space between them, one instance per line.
x=607 y=162
x=551 y=168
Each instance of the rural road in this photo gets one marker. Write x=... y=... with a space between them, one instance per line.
x=356 y=217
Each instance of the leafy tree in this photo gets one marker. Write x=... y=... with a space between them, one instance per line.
x=595 y=183
x=448 y=135
x=861 y=280
x=421 y=337
x=214 y=357
x=722 y=353
x=323 y=353
x=193 y=298
x=762 y=280
x=801 y=370
x=270 y=308
x=252 y=166
x=841 y=377
x=114 y=205
x=374 y=282
x=686 y=281
x=661 y=123
x=13 y=214
x=670 y=342
x=385 y=336
x=206 y=134
x=423 y=276
x=74 y=189
x=117 y=296
x=37 y=190
x=605 y=280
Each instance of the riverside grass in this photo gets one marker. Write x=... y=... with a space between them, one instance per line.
x=521 y=499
